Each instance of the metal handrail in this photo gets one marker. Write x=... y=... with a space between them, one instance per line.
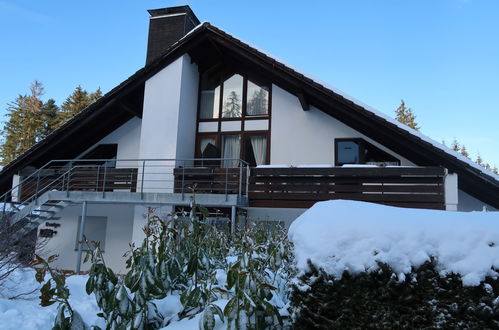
x=41 y=184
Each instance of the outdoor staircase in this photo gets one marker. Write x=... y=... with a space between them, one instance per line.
x=27 y=217
x=42 y=195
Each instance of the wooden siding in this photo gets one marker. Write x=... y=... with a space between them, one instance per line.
x=418 y=187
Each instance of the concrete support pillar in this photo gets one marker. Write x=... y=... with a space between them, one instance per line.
x=80 y=236
x=451 y=192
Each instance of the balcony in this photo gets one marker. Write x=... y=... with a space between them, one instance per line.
x=294 y=187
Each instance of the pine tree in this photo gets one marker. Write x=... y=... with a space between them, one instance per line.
x=25 y=125
x=77 y=101
x=406 y=116
x=455 y=145
x=96 y=95
x=464 y=152
x=479 y=160
x=49 y=113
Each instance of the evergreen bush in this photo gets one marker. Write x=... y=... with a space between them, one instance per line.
x=422 y=299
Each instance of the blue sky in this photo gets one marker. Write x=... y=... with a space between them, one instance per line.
x=440 y=56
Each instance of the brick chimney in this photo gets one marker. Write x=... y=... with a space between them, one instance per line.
x=166 y=26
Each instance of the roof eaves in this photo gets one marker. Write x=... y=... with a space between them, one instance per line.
x=367 y=110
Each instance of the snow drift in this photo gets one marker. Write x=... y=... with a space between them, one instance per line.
x=352 y=236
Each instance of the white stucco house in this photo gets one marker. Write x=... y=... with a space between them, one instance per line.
x=252 y=137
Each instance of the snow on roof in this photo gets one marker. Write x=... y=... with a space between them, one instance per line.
x=353 y=236
x=378 y=113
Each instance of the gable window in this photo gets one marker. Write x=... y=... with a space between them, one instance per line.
x=359 y=151
x=232 y=95
x=258 y=99
x=232 y=102
x=209 y=98
x=233 y=117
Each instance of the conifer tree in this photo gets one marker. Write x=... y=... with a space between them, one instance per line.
x=406 y=116
x=25 y=124
x=479 y=160
x=77 y=101
x=96 y=95
x=455 y=145
x=464 y=152
x=49 y=114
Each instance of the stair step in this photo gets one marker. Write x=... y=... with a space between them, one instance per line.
x=54 y=205
x=47 y=211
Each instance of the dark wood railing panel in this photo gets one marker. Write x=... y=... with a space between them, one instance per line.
x=81 y=179
x=420 y=187
x=209 y=180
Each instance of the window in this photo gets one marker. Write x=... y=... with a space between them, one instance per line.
x=209 y=98
x=258 y=99
x=347 y=152
x=255 y=149
x=251 y=147
x=231 y=148
x=232 y=95
x=95 y=230
x=359 y=151
x=232 y=105
x=233 y=117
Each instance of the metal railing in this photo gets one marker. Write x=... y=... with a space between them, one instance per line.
x=207 y=175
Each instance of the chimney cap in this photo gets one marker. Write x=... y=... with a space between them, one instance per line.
x=171 y=11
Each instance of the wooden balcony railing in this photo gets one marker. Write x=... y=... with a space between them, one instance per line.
x=416 y=187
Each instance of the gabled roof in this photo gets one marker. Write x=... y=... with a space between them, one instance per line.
x=206 y=44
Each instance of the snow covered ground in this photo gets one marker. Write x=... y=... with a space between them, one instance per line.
x=353 y=236
x=26 y=313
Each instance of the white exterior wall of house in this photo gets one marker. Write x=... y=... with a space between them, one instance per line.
x=118 y=235
x=307 y=137
x=168 y=127
x=127 y=137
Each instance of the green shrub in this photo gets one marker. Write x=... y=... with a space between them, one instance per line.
x=379 y=300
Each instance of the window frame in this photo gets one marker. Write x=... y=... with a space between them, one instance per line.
x=362 y=147
x=244 y=136
x=244 y=115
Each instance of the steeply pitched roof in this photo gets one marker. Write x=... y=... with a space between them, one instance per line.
x=474 y=179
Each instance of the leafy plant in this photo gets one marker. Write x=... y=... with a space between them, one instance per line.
x=55 y=291
x=187 y=256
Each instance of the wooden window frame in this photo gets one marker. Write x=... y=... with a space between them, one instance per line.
x=362 y=147
x=244 y=136
x=244 y=117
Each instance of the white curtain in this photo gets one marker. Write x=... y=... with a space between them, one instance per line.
x=231 y=149
x=259 y=144
x=210 y=100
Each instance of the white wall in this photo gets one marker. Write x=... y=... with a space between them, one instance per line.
x=469 y=203
x=168 y=128
x=169 y=115
x=186 y=135
x=127 y=137
x=118 y=234
x=307 y=137
x=169 y=121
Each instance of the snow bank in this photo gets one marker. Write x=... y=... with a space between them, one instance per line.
x=26 y=313
x=353 y=236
